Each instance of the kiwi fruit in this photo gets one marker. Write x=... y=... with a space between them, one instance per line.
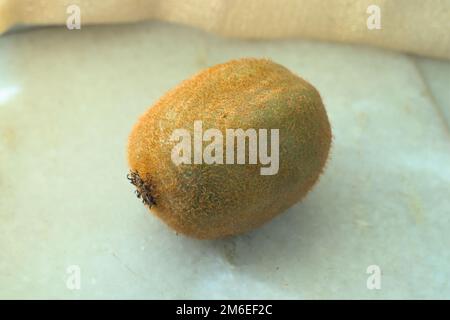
x=222 y=198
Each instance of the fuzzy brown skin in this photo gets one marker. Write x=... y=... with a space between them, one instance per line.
x=213 y=201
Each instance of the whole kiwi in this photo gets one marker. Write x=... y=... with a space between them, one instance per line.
x=213 y=200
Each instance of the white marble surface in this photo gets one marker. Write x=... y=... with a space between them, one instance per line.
x=69 y=98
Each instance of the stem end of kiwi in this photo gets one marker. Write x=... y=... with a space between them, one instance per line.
x=143 y=190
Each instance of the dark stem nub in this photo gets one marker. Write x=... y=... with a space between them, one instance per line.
x=143 y=190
